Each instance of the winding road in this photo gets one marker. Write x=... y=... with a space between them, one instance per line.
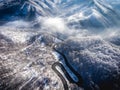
x=60 y=75
x=80 y=80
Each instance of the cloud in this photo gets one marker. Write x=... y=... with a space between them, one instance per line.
x=54 y=24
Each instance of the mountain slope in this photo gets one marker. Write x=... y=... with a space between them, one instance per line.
x=35 y=34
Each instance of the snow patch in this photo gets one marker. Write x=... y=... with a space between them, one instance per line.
x=16 y=36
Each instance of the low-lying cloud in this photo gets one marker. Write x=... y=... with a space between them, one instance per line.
x=54 y=24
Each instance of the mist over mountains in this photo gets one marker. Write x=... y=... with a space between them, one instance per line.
x=34 y=34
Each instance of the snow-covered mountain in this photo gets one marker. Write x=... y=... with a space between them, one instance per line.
x=34 y=34
x=79 y=13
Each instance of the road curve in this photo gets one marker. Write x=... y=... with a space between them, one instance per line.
x=80 y=80
x=60 y=75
